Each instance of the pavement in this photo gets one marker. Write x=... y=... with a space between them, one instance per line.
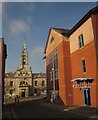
x=12 y=100
x=87 y=112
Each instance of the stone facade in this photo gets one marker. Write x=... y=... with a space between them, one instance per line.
x=22 y=81
x=39 y=83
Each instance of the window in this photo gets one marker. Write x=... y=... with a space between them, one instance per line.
x=51 y=75
x=11 y=91
x=22 y=83
x=81 y=41
x=11 y=83
x=83 y=65
x=51 y=67
x=43 y=83
x=35 y=83
x=52 y=39
x=35 y=91
x=51 y=85
x=56 y=85
x=56 y=70
x=56 y=65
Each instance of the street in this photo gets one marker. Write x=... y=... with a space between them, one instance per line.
x=37 y=108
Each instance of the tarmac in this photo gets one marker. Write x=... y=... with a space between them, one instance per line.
x=87 y=112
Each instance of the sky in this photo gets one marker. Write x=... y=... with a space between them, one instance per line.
x=29 y=22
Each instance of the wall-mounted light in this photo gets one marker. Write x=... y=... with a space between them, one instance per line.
x=73 y=86
x=52 y=69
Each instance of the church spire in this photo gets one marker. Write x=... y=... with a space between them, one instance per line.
x=24 y=58
x=24 y=45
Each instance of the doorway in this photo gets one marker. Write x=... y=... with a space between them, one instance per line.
x=23 y=94
x=87 y=100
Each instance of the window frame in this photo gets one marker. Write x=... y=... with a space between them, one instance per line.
x=83 y=65
x=81 y=41
x=52 y=39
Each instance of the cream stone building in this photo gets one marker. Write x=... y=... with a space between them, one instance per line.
x=20 y=82
x=23 y=82
x=39 y=83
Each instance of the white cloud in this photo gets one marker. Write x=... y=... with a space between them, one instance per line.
x=18 y=27
x=38 y=52
x=36 y=59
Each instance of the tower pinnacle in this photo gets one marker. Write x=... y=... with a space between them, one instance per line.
x=24 y=58
x=24 y=45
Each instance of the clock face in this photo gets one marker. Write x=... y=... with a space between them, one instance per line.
x=24 y=61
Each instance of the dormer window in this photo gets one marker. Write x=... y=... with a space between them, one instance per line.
x=52 y=39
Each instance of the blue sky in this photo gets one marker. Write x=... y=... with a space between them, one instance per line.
x=29 y=22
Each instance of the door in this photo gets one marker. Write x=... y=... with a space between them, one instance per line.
x=23 y=94
x=87 y=100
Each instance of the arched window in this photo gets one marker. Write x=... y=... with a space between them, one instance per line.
x=23 y=83
x=43 y=82
x=11 y=83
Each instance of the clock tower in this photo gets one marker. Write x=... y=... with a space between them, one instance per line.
x=24 y=58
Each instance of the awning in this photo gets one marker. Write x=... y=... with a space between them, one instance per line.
x=82 y=79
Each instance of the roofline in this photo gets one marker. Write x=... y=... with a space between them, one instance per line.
x=49 y=34
x=59 y=28
x=84 y=18
x=47 y=41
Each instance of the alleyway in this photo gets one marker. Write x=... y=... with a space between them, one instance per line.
x=38 y=108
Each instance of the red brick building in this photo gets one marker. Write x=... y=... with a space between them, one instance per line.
x=58 y=66
x=72 y=62
x=83 y=60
